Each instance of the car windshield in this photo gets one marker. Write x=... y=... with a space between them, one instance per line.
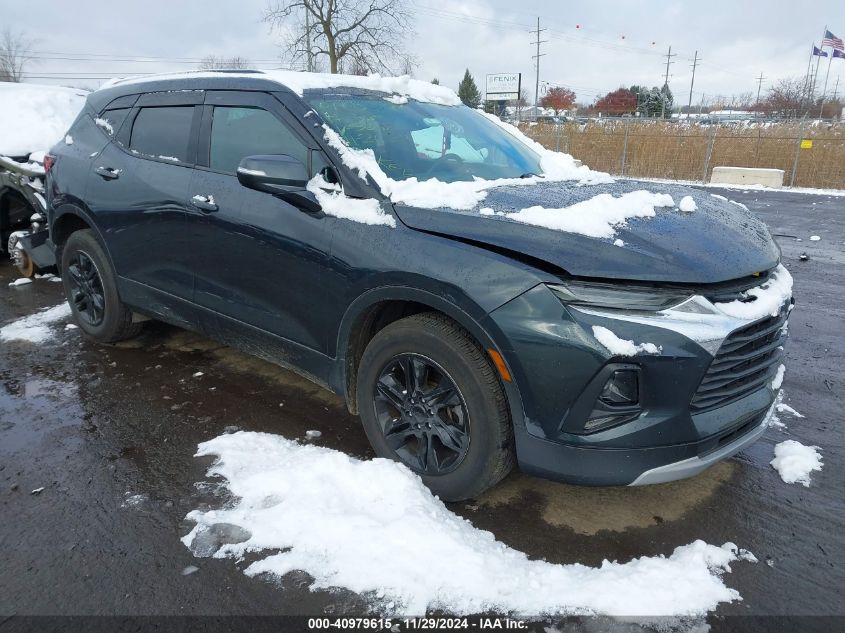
x=413 y=139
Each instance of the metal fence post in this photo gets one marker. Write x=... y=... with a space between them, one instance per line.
x=797 y=153
x=709 y=154
x=624 y=149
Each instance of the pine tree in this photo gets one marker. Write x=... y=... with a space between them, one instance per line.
x=468 y=91
x=435 y=81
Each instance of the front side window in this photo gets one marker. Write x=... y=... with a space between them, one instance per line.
x=422 y=140
x=163 y=133
x=238 y=132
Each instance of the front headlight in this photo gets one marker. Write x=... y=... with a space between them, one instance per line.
x=618 y=296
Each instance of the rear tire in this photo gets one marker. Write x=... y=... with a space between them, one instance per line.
x=91 y=290
x=459 y=445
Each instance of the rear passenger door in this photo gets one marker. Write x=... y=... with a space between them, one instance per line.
x=258 y=259
x=138 y=191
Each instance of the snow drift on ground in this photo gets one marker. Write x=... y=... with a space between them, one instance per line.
x=366 y=526
x=35 y=117
x=622 y=347
x=35 y=328
x=770 y=297
x=794 y=461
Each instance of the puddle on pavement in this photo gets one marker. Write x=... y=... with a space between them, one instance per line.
x=228 y=358
x=588 y=510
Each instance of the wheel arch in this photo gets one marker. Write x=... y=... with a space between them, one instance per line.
x=67 y=219
x=379 y=307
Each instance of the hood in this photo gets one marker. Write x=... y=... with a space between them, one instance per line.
x=720 y=241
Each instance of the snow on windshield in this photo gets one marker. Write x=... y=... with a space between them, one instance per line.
x=349 y=523
x=34 y=117
x=462 y=194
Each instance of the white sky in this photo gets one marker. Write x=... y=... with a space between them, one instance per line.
x=736 y=40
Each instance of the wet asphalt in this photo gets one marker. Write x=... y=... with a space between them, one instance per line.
x=110 y=434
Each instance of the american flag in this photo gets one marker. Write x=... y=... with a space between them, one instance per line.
x=831 y=40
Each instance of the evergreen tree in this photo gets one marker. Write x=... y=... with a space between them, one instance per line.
x=468 y=91
x=435 y=81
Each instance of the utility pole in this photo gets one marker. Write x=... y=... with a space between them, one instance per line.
x=669 y=61
x=308 y=58
x=537 y=57
x=695 y=61
x=759 y=86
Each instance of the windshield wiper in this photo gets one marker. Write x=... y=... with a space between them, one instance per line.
x=529 y=175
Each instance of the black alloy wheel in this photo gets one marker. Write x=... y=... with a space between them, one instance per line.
x=86 y=288
x=422 y=414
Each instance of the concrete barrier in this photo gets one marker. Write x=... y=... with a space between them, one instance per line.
x=747 y=176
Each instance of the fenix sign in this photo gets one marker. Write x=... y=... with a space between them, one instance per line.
x=503 y=86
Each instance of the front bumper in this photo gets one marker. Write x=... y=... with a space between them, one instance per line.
x=555 y=361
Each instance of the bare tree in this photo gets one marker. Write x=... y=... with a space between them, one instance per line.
x=350 y=34
x=213 y=62
x=15 y=54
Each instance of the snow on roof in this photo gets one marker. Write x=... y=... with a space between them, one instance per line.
x=34 y=117
x=302 y=81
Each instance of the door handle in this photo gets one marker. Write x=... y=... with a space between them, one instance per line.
x=107 y=172
x=204 y=203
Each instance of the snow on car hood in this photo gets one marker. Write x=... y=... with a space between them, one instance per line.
x=34 y=117
x=650 y=241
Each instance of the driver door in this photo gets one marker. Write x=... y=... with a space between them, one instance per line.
x=259 y=260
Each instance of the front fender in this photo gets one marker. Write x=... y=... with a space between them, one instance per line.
x=468 y=315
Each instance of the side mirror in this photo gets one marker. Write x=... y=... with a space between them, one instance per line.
x=281 y=175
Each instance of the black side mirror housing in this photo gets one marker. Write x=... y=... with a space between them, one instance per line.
x=281 y=175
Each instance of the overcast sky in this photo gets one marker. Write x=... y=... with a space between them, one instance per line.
x=618 y=42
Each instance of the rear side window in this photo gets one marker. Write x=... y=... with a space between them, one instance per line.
x=163 y=132
x=238 y=132
x=111 y=120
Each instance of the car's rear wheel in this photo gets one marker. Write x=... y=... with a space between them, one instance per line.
x=91 y=290
x=430 y=399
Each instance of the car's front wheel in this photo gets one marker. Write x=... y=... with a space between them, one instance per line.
x=91 y=290
x=430 y=399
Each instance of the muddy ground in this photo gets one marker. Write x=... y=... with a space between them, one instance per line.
x=110 y=433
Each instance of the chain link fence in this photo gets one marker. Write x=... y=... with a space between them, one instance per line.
x=810 y=154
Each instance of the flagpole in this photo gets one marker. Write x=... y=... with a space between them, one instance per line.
x=826 y=77
x=818 y=60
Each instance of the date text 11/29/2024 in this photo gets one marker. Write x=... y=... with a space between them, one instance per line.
x=414 y=624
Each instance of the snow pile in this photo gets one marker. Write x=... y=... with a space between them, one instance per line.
x=338 y=204
x=620 y=346
x=770 y=297
x=34 y=328
x=794 y=461
x=687 y=204
x=597 y=216
x=34 y=117
x=350 y=524
x=815 y=238
x=434 y=193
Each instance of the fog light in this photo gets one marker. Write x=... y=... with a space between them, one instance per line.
x=617 y=403
x=622 y=388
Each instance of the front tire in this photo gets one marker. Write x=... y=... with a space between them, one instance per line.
x=91 y=290
x=430 y=399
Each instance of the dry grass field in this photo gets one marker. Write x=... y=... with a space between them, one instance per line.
x=689 y=151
